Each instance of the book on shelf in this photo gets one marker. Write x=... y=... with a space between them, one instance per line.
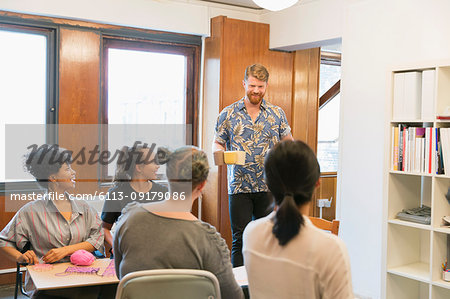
x=443 y=151
x=419 y=157
x=439 y=162
x=413 y=149
x=400 y=146
x=405 y=149
x=445 y=145
x=429 y=150
x=396 y=154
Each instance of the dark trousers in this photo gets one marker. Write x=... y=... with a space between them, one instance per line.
x=245 y=207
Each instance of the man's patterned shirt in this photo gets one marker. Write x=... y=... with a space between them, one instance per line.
x=236 y=130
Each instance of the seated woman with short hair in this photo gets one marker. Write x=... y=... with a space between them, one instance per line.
x=285 y=255
x=55 y=226
x=165 y=235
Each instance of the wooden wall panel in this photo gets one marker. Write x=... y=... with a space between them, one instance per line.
x=79 y=68
x=79 y=95
x=279 y=91
x=244 y=43
x=305 y=102
x=327 y=190
x=211 y=98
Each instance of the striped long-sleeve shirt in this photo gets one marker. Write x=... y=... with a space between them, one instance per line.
x=40 y=223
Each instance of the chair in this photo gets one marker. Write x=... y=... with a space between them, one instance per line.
x=169 y=284
x=19 y=274
x=332 y=226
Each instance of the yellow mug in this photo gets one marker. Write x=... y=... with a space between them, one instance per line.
x=234 y=157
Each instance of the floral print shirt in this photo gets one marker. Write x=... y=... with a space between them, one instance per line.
x=237 y=132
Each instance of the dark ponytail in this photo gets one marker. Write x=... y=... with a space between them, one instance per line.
x=288 y=220
x=291 y=171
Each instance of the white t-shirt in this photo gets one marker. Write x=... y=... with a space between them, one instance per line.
x=313 y=264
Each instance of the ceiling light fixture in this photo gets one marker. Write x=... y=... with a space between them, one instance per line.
x=275 y=5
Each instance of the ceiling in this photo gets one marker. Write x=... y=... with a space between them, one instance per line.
x=240 y=3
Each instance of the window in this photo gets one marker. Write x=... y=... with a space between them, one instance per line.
x=27 y=80
x=148 y=83
x=328 y=128
x=146 y=87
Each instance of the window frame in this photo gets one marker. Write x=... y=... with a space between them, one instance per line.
x=192 y=53
x=333 y=59
x=14 y=24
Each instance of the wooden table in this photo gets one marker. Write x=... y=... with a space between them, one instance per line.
x=47 y=280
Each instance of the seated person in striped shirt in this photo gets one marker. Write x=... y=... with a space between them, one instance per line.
x=55 y=226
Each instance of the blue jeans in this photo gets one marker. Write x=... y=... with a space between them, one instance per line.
x=245 y=207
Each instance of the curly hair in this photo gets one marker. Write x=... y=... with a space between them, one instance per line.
x=46 y=160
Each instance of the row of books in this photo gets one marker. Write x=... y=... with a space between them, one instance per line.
x=421 y=149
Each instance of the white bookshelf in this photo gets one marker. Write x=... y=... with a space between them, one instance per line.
x=414 y=252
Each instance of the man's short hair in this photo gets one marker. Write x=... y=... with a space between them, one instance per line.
x=258 y=71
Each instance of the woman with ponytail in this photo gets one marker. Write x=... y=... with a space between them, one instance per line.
x=133 y=181
x=285 y=255
x=165 y=235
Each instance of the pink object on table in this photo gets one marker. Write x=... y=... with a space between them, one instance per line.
x=110 y=269
x=42 y=267
x=82 y=258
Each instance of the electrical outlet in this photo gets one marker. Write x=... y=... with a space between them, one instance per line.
x=323 y=203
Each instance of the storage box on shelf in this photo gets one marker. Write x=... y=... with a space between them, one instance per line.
x=414 y=251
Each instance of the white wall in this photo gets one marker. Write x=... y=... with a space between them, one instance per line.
x=183 y=16
x=377 y=36
x=309 y=24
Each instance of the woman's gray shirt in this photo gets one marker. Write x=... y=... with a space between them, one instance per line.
x=145 y=241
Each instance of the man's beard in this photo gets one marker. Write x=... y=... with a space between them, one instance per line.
x=255 y=99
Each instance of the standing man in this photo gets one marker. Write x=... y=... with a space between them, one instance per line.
x=254 y=126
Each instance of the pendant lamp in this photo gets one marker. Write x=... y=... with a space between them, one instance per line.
x=275 y=5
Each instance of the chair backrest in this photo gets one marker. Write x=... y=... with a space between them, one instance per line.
x=332 y=226
x=169 y=284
